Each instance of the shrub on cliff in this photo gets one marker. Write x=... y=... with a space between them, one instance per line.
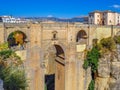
x=117 y=39
x=91 y=85
x=108 y=43
x=12 y=71
x=92 y=59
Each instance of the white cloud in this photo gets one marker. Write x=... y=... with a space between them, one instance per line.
x=50 y=16
x=116 y=6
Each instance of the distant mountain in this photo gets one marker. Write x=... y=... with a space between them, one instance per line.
x=83 y=19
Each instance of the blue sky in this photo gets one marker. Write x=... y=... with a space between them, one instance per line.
x=57 y=8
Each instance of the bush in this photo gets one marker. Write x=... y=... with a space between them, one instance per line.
x=6 y=54
x=108 y=43
x=91 y=85
x=92 y=59
x=12 y=71
x=86 y=64
x=117 y=39
x=4 y=46
x=14 y=79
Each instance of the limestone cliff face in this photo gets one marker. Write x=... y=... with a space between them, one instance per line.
x=109 y=71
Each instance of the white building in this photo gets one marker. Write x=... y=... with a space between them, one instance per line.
x=104 y=18
x=10 y=19
x=118 y=18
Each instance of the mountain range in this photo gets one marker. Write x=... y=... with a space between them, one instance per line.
x=82 y=19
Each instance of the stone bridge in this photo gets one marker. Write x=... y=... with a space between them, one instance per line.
x=57 y=48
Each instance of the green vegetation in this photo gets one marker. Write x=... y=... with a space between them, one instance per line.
x=107 y=44
x=91 y=85
x=11 y=70
x=92 y=61
x=4 y=46
x=45 y=87
x=92 y=58
x=16 y=38
x=14 y=79
x=6 y=54
x=117 y=39
x=86 y=64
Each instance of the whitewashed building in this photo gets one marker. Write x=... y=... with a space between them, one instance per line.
x=10 y=19
x=118 y=18
x=104 y=18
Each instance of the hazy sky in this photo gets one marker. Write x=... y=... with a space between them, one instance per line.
x=57 y=8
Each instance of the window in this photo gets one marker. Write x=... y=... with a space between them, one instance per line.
x=54 y=35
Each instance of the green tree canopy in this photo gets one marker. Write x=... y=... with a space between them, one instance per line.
x=12 y=71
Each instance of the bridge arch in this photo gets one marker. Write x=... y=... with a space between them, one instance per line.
x=59 y=51
x=55 y=66
x=51 y=47
x=17 y=38
x=51 y=53
x=81 y=37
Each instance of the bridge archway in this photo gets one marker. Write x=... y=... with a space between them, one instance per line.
x=81 y=37
x=17 y=38
x=55 y=68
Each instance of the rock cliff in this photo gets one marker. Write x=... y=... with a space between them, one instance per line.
x=108 y=77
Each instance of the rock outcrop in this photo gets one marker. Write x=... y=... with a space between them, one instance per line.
x=108 y=77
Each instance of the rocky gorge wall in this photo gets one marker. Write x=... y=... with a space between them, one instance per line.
x=108 y=77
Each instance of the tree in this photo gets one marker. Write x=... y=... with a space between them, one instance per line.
x=16 y=38
x=12 y=71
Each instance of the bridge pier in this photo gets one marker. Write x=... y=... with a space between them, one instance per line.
x=34 y=69
x=70 y=68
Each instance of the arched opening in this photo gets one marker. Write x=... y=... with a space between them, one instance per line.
x=81 y=37
x=17 y=40
x=54 y=35
x=55 y=68
x=59 y=52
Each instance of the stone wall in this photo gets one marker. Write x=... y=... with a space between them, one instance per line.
x=76 y=78
x=2 y=33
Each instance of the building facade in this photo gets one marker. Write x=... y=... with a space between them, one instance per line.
x=10 y=19
x=104 y=18
x=118 y=19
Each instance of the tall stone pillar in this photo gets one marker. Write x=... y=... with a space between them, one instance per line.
x=2 y=33
x=70 y=68
x=59 y=74
x=83 y=76
x=80 y=71
x=35 y=72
